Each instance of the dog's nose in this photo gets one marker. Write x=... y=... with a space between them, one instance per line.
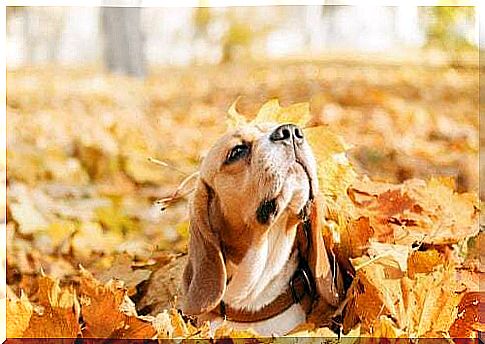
x=287 y=133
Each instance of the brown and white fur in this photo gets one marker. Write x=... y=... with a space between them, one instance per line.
x=253 y=188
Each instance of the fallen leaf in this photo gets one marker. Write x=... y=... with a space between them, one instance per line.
x=424 y=262
x=108 y=312
x=121 y=269
x=470 y=316
x=55 y=316
x=430 y=301
x=234 y=118
x=164 y=288
x=19 y=313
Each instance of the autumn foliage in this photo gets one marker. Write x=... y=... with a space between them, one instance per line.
x=90 y=255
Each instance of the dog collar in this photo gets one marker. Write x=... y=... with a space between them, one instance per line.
x=300 y=291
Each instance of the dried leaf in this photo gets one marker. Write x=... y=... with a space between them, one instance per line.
x=19 y=313
x=121 y=269
x=55 y=316
x=416 y=211
x=164 y=287
x=271 y=112
x=108 y=312
x=335 y=174
x=354 y=237
x=373 y=294
x=470 y=317
x=234 y=118
x=424 y=262
x=431 y=301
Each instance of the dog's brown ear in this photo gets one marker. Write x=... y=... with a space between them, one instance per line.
x=204 y=278
x=322 y=262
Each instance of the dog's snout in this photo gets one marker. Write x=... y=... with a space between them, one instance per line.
x=287 y=133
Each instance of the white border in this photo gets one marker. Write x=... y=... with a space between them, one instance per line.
x=155 y=3
x=3 y=191
x=230 y=3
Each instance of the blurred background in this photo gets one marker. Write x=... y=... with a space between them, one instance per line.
x=188 y=36
x=92 y=92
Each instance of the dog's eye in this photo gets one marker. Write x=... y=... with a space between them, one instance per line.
x=237 y=153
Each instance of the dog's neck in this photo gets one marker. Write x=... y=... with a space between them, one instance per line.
x=263 y=274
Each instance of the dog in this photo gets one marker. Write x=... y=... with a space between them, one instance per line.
x=257 y=257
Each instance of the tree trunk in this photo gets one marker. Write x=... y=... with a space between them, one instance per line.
x=123 y=40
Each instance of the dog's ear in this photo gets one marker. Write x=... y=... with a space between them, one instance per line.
x=204 y=278
x=321 y=260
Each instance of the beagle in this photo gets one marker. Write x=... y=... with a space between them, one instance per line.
x=257 y=258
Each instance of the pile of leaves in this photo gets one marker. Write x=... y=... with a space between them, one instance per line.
x=87 y=247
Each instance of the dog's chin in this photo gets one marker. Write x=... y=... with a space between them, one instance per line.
x=299 y=200
x=291 y=198
x=302 y=193
x=299 y=197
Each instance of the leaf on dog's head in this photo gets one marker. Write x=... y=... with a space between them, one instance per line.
x=298 y=114
x=234 y=118
x=268 y=112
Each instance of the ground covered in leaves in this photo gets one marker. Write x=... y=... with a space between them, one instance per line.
x=90 y=253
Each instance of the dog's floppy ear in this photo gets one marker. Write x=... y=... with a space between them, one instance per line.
x=204 y=278
x=322 y=263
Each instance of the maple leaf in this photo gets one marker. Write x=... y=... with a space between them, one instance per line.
x=416 y=211
x=56 y=315
x=108 y=312
x=19 y=313
x=271 y=112
x=234 y=118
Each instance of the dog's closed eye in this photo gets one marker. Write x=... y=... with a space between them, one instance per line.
x=237 y=153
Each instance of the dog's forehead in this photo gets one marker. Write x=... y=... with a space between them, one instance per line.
x=246 y=134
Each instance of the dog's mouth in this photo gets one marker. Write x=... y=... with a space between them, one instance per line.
x=268 y=208
x=311 y=195
x=304 y=213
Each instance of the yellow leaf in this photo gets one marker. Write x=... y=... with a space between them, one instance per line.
x=225 y=331
x=108 y=311
x=59 y=231
x=183 y=229
x=269 y=112
x=57 y=315
x=115 y=219
x=234 y=118
x=335 y=173
x=19 y=313
x=298 y=114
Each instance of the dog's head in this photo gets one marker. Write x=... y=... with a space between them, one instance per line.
x=248 y=180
